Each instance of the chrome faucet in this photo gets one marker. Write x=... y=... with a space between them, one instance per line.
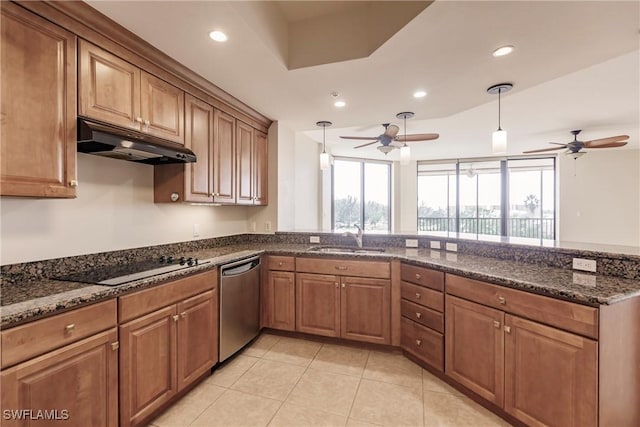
x=357 y=237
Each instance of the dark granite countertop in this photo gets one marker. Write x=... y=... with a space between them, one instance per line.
x=28 y=301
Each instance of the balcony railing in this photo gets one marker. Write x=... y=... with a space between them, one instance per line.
x=518 y=227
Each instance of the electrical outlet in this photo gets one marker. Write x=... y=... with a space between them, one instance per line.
x=434 y=244
x=453 y=247
x=584 y=279
x=314 y=239
x=584 y=264
x=196 y=230
x=411 y=243
x=267 y=226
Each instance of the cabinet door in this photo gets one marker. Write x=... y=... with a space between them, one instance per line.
x=550 y=375
x=318 y=304
x=474 y=347
x=260 y=170
x=197 y=337
x=224 y=158
x=199 y=138
x=147 y=364
x=79 y=382
x=365 y=306
x=162 y=108
x=109 y=88
x=244 y=147
x=280 y=300
x=38 y=106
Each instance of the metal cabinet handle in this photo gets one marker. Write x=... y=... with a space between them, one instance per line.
x=418 y=276
x=343 y=285
x=418 y=342
x=502 y=300
x=139 y=119
x=69 y=328
x=507 y=329
x=280 y=264
x=175 y=318
x=337 y=284
x=115 y=345
x=496 y=324
x=418 y=315
x=183 y=314
x=418 y=295
x=341 y=267
x=290 y=281
x=73 y=183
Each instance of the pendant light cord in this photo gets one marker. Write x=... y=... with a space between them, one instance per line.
x=499 y=112
x=324 y=144
x=405 y=130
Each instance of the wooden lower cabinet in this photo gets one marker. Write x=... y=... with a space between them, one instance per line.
x=279 y=300
x=77 y=385
x=163 y=352
x=356 y=308
x=550 y=375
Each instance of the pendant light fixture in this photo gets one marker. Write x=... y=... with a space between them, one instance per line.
x=499 y=137
x=324 y=156
x=405 y=151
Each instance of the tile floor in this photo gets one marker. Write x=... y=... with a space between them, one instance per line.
x=281 y=381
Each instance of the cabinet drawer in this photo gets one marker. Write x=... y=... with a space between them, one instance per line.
x=143 y=302
x=422 y=276
x=423 y=296
x=422 y=342
x=566 y=315
x=423 y=315
x=375 y=269
x=36 y=338
x=284 y=263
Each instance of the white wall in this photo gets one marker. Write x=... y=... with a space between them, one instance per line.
x=307 y=184
x=114 y=210
x=601 y=202
x=286 y=177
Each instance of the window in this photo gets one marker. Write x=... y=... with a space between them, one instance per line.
x=468 y=197
x=361 y=195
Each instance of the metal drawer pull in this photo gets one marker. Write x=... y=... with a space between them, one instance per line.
x=280 y=264
x=418 y=295
x=343 y=285
x=69 y=328
x=507 y=329
x=175 y=318
x=418 y=276
x=418 y=315
x=183 y=314
x=418 y=342
x=496 y=323
x=502 y=300
x=341 y=267
x=73 y=183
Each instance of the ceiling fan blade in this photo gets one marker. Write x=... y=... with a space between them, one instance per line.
x=364 y=145
x=609 y=145
x=417 y=137
x=391 y=131
x=557 y=143
x=545 y=149
x=361 y=138
x=602 y=141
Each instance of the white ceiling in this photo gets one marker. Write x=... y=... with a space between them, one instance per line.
x=576 y=65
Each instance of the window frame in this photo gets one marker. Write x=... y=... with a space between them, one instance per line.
x=362 y=162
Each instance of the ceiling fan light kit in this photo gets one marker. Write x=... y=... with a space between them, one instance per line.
x=499 y=136
x=324 y=156
x=405 y=151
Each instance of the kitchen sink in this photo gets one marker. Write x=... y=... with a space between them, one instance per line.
x=345 y=249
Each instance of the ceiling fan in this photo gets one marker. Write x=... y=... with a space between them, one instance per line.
x=390 y=138
x=574 y=147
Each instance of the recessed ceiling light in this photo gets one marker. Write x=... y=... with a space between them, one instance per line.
x=503 y=50
x=218 y=36
x=339 y=104
x=419 y=94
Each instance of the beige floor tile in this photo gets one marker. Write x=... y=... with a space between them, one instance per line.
x=270 y=379
x=261 y=345
x=341 y=359
x=444 y=410
x=237 y=409
x=326 y=391
x=433 y=383
x=291 y=350
x=187 y=409
x=357 y=423
x=228 y=374
x=388 y=404
x=393 y=368
x=298 y=416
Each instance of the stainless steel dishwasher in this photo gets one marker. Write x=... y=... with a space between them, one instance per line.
x=239 y=305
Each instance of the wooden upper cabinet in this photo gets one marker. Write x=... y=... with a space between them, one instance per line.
x=115 y=91
x=38 y=106
x=365 y=306
x=109 y=87
x=260 y=169
x=199 y=139
x=551 y=376
x=245 y=164
x=162 y=108
x=224 y=158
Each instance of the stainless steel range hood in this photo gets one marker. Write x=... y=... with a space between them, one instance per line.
x=119 y=143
